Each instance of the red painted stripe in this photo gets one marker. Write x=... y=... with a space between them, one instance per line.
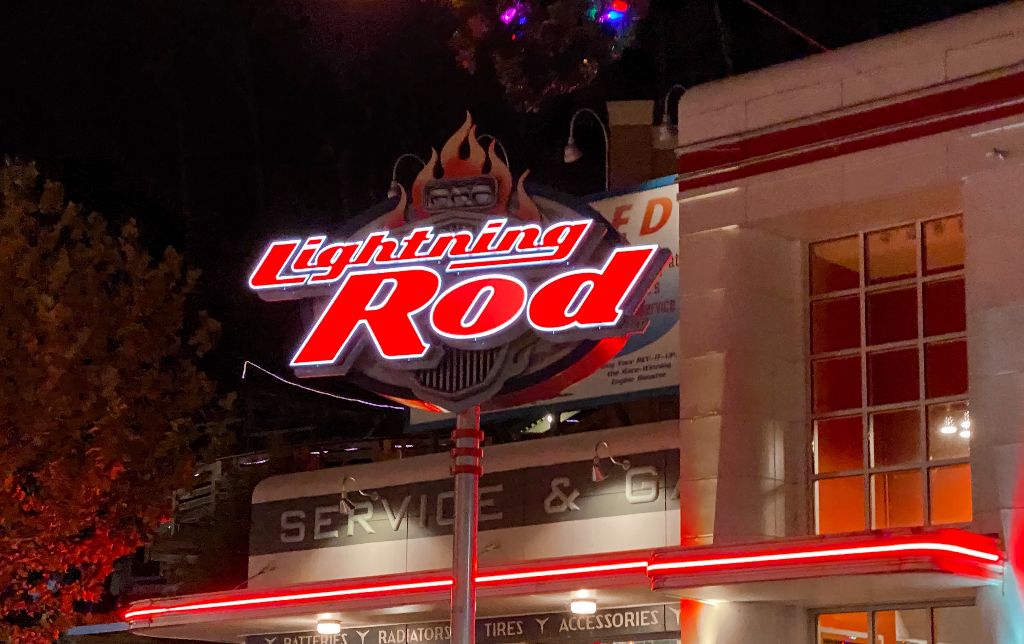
x=944 y=111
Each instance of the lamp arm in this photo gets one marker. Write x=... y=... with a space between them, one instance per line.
x=407 y=155
x=668 y=95
x=500 y=145
x=604 y=133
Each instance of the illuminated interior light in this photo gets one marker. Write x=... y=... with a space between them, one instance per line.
x=583 y=607
x=583 y=594
x=713 y=602
x=947 y=426
x=965 y=433
x=966 y=422
x=710 y=195
x=328 y=627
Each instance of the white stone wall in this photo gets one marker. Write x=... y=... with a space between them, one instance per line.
x=994 y=225
x=913 y=60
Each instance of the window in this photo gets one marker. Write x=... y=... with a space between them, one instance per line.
x=891 y=428
x=912 y=625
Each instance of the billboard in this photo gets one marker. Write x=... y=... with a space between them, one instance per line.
x=472 y=290
x=645 y=215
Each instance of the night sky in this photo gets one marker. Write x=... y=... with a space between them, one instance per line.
x=222 y=122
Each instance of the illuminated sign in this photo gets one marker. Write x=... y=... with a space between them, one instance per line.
x=466 y=293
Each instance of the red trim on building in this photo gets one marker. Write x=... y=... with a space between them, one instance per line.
x=934 y=113
x=949 y=551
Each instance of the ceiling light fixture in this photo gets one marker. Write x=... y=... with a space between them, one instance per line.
x=947 y=426
x=328 y=626
x=583 y=606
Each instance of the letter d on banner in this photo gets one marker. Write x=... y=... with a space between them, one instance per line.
x=594 y=298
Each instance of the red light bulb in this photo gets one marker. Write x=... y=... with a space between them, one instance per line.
x=619 y=5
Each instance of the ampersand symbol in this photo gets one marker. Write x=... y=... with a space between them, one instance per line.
x=558 y=501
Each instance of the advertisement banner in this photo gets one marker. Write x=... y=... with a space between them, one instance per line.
x=647 y=214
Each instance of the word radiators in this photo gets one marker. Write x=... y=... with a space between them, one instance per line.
x=470 y=294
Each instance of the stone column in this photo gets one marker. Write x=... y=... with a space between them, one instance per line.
x=742 y=394
x=994 y=227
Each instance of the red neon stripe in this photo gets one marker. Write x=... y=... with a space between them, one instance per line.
x=951 y=544
x=277 y=600
x=397 y=588
x=831 y=553
x=627 y=566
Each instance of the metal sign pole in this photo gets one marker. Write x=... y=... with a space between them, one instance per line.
x=466 y=457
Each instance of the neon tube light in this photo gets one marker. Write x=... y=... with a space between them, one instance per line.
x=389 y=589
x=935 y=545
x=280 y=599
x=831 y=553
x=562 y=572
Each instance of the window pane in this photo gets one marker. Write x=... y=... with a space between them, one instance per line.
x=835 y=324
x=892 y=315
x=946 y=368
x=897 y=499
x=949 y=431
x=895 y=437
x=892 y=376
x=835 y=265
x=839 y=445
x=836 y=384
x=957 y=625
x=943 y=244
x=842 y=627
x=950 y=489
x=902 y=626
x=945 y=308
x=840 y=505
x=892 y=254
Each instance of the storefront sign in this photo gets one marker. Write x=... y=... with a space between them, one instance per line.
x=605 y=624
x=470 y=295
x=529 y=497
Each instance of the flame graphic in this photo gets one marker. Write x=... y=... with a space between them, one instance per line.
x=462 y=156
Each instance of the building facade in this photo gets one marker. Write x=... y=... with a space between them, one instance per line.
x=846 y=462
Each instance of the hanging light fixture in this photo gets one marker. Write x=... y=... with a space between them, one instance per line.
x=666 y=135
x=346 y=504
x=596 y=473
x=947 y=426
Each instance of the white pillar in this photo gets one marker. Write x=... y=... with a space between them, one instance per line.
x=742 y=393
x=994 y=227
